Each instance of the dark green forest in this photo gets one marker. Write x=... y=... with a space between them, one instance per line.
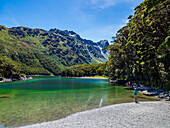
x=141 y=50
x=8 y=67
x=85 y=70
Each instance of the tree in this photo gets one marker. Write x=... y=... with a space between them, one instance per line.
x=7 y=67
x=140 y=50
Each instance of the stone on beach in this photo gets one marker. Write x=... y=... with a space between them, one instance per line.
x=142 y=115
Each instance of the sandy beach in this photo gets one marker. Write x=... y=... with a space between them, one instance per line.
x=125 y=115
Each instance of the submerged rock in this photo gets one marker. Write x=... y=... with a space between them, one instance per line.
x=5 y=96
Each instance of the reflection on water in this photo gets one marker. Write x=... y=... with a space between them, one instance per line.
x=50 y=99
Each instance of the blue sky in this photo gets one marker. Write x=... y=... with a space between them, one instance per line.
x=91 y=19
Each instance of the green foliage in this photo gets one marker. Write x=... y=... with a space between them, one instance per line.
x=48 y=64
x=7 y=67
x=84 y=70
x=141 y=49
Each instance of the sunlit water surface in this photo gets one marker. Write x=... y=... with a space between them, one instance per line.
x=48 y=99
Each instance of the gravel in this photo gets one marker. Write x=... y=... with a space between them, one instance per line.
x=125 y=115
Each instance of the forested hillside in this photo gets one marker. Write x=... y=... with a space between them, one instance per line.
x=41 y=52
x=85 y=70
x=8 y=67
x=141 y=49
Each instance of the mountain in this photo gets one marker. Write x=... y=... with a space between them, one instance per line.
x=38 y=51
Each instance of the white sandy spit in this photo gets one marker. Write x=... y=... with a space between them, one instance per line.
x=126 y=115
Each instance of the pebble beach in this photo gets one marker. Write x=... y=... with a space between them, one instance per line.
x=126 y=115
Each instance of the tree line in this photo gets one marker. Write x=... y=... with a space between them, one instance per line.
x=141 y=49
x=84 y=70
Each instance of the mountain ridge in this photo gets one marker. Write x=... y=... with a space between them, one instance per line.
x=38 y=49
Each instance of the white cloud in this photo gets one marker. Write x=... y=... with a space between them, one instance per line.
x=91 y=29
x=102 y=4
x=94 y=1
x=123 y=23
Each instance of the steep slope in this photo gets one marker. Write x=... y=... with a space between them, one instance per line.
x=72 y=49
x=39 y=51
x=141 y=49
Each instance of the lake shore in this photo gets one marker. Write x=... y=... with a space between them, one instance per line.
x=145 y=114
x=90 y=77
x=6 y=80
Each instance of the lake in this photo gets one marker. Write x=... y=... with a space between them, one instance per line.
x=48 y=99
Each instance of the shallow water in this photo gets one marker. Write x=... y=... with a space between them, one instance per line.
x=48 y=99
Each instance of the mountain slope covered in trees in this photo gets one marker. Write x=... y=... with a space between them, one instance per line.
x=37 y=51
x=141 y=49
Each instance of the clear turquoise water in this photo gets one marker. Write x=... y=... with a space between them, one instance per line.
x=48 y=99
